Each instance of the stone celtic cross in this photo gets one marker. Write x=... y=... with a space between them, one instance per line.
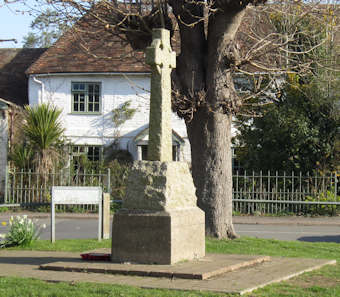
x=160 y=197
x=162 y=60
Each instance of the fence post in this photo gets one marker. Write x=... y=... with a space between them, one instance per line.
x=335 y=186
x=108 y=180
x=106 y=216
x=14 y=197
x=6 y=185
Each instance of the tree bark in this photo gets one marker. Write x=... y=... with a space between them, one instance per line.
x=210 y=134
x=210 y=129
x=204 y=67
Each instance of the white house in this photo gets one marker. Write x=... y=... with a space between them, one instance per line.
x=87 y=101
x=87 y=88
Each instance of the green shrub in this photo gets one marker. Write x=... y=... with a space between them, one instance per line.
x=324 y=209
x=119 y=174
x=22 y=156
x=3 y=209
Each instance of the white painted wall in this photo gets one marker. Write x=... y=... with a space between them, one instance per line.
x=3 y=150
x=99 y=129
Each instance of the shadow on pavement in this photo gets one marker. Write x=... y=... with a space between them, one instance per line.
x=326 y=238
x=36 y=260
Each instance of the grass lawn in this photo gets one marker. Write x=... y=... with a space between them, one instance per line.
x=324 y=282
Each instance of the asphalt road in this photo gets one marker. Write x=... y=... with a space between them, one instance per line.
x=315 y=233
x=303 y=230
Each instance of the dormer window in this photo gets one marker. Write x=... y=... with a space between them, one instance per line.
x=86 y=97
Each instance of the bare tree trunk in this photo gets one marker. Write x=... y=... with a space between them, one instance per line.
x=204 y=64
x=209 y=135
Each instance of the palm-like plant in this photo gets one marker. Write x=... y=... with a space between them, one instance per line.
x=21 y=156
x=44 y=134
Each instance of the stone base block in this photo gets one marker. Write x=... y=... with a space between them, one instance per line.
x=159 y=186
x=158 y=237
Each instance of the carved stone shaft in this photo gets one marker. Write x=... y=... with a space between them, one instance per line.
x=162 y=60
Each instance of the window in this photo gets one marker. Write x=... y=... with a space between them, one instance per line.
x=144 y=152
x=80 y=152
x=85 y=97
x=92 y=152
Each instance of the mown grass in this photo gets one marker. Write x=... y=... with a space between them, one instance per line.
x=9 y=287
x=324 y=282
x=271 y=247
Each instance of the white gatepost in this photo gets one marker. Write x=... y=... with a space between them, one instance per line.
x=76 y=195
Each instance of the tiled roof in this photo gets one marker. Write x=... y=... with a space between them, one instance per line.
x=89 y=49
x=13 y=81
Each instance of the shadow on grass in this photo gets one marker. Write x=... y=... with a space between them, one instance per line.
x=325 y=238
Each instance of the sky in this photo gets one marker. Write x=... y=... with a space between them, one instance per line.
x=13 y=24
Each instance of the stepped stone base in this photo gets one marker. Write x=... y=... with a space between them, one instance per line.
x=164 y=237
x=212 y=265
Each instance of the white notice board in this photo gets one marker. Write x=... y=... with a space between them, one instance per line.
x=76 y=195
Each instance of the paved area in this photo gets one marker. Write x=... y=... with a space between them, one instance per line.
x=211 y=265
x=242 y=280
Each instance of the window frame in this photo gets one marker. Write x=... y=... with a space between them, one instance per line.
x=86 y=97
x=83 y=149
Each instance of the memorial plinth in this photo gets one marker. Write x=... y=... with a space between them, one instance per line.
x=159 y=222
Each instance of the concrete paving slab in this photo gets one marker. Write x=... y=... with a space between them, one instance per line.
x=26 y=264
x=207 y=267
x=277 y=270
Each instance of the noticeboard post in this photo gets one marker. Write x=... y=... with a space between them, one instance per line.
x=76 y=195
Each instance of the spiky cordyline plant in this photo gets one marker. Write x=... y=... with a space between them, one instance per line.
x=44 y=134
